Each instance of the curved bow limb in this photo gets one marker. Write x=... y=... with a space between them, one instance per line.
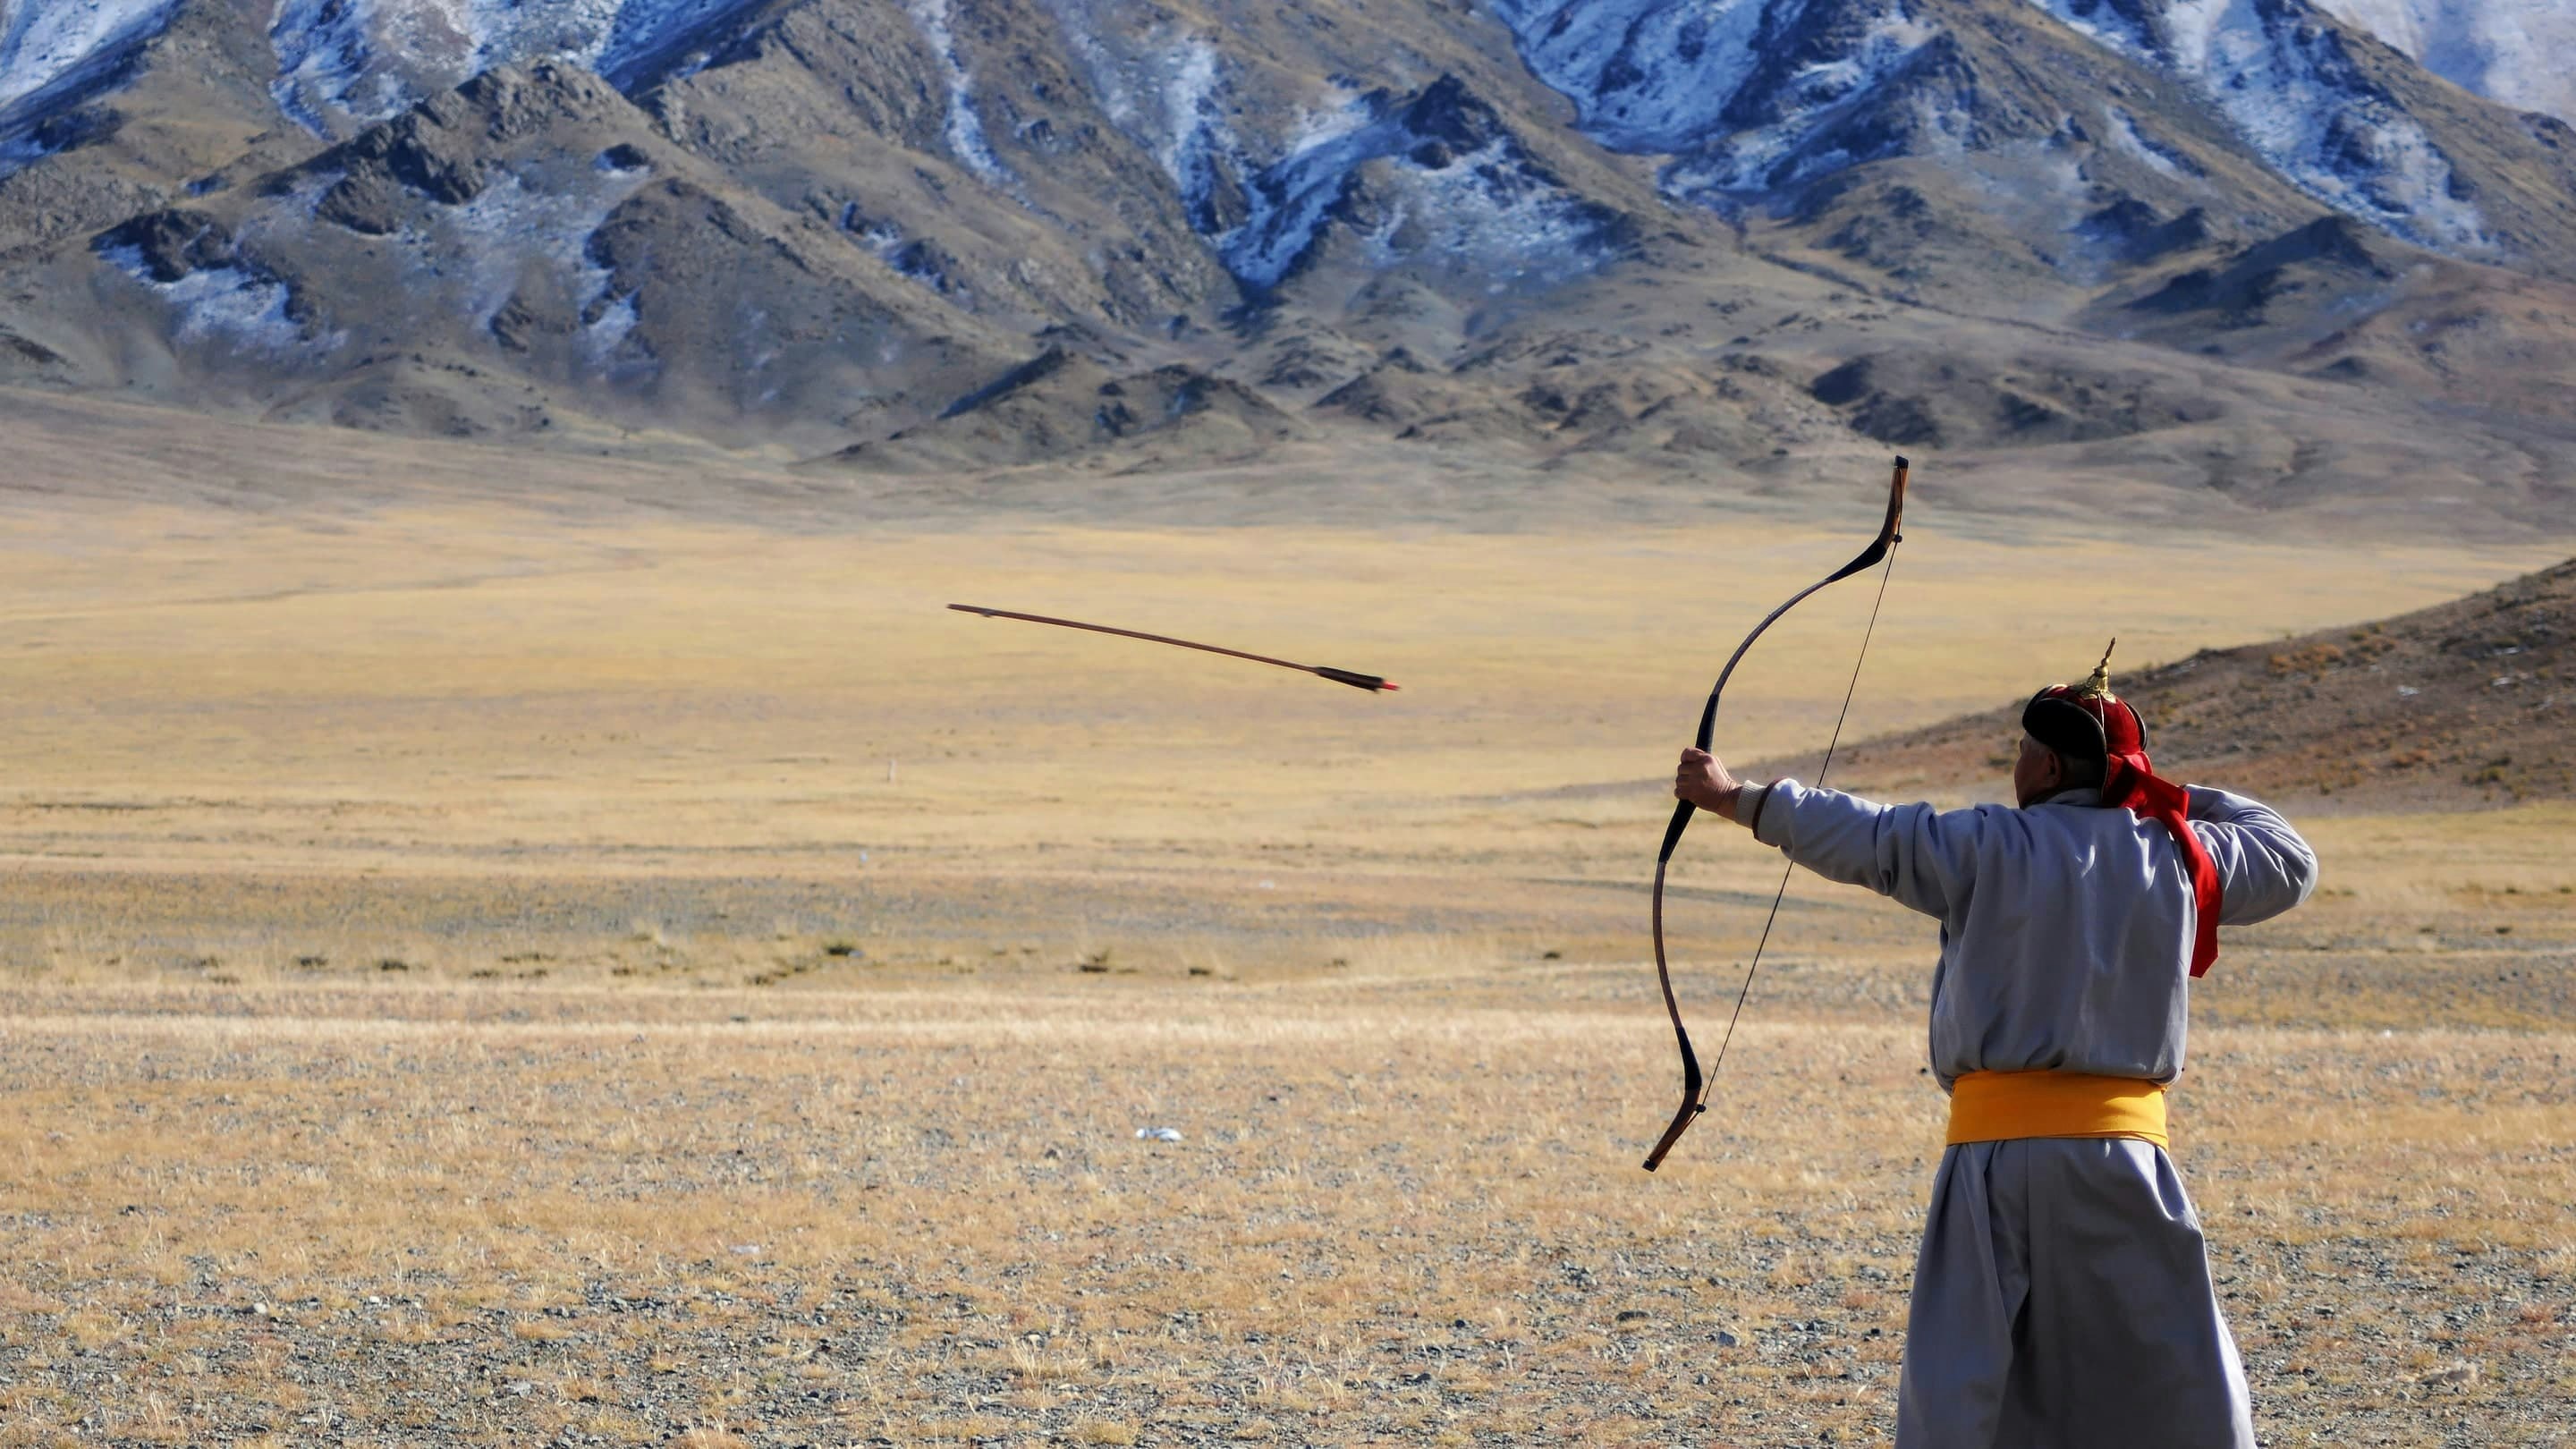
x=1696 y=1085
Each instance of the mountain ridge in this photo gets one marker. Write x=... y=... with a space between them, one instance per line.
x=833 y=222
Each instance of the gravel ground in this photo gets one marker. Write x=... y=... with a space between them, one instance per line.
x=922 y=1216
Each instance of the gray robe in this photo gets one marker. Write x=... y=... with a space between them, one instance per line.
x=2062 y=1297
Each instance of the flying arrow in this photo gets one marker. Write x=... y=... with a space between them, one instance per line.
x=1352 y=678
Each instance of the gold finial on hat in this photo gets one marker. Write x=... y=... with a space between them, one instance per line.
x=2099 y=685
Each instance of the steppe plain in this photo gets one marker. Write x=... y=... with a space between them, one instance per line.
x=506 y=948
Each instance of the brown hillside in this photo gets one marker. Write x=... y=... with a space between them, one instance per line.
x=2472 y=702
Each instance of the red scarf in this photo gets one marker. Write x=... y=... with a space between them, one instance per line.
x=2131 y=782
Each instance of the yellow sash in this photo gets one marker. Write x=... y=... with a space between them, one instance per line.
x=2002 y=1106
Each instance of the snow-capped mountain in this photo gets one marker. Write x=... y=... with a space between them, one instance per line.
x=1751 y=93
x=348 y=62
x=2288 y=79
x=844 y=224
x=1265 y=161
x=2513 y=52
x=56 y=57
x=1754 y=97
x=45 y=46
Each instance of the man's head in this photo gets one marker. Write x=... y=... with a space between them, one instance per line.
x=2040 y=773
x=2071 y=733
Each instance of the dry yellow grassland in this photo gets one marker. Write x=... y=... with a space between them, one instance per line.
x=922 y=1216
x=467 y=976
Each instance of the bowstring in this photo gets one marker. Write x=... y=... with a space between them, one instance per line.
x=1822 y=771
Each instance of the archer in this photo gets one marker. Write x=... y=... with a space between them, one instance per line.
x=2062 y=1293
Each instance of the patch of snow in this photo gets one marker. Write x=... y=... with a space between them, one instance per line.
x=243 y=305
x=1191 y=116
x=1109 y=83
x=1289 y=199
x=283 y=216
x=2108 y=22
x=244 y=308
x=1651 y=77
x=1346 y=111
x=1163 y=85
x=965 y=126
x=506 y=226
x=1791 y=142
x=360 y=61
x=2123 y=129
x=1486 y=210
x=1379 y=243
x=2513 y=52
x=601 y=335
x=1261 y=200
x=1699 y=80
x=1489 y=209
x=1750 y=96
x=2287 y=84
x=43 y=45
x=644 y=34
x=471 y=259
x=55 y=57
x=364 y=59
x=492 y=240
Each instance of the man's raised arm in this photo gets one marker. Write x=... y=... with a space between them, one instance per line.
x=1916 y=855
x=2264 y=866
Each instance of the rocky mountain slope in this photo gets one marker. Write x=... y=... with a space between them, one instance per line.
x=2469 y=699
x=2510 y=51
x=945 y=234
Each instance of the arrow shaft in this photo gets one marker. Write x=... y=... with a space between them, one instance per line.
x=1338 y=676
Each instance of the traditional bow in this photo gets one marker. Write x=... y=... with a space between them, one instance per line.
x=1695 y=1088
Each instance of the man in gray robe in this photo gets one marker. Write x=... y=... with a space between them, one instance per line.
x=2062 y=1296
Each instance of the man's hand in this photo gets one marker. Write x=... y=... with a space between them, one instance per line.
x=1703 y=781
